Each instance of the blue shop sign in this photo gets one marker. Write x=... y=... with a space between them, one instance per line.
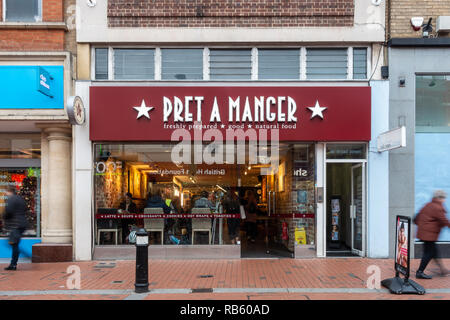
x=32 y=87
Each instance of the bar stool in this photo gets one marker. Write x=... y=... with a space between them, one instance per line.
x=117 y=232
x=201 y=224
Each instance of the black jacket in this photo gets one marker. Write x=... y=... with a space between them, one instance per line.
x=15 y=212
x=132 y=208
x=158 y=202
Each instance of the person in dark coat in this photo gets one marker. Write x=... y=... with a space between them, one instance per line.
x=16 y=223
x=231 y=205
x=430 y=220
x=155 y=200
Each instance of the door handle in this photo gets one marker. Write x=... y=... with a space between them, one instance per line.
x=274 y=202
x=268 y=204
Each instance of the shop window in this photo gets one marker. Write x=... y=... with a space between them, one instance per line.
x=182 y=64
x=278 y=64
x=433 y=103
x=359 y=63
x=23 y=10
x=101 y=63
x=187 y=203
x=346 y=151
x=21 y=150
x=27 y=183
x=17 y=146
x=226 y=64
x=134 y=64
x=432 y=140
x=326 y=63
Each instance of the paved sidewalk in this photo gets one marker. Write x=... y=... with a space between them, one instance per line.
x=341 y=278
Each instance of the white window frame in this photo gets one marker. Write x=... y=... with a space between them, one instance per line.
x=158 y=64
x=254 y=61
x=368 y=61
x=280 y=48
x=39 y=19
x=205 y=53
x=255 y=64
x=206 y=68
x=332 y=47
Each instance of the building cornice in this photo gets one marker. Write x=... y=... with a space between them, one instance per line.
x=419 y=42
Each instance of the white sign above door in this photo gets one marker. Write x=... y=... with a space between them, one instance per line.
x=392 y=139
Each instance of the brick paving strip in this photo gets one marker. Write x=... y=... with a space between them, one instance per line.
x=341 y=278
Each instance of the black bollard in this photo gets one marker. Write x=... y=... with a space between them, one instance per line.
x=141 y=284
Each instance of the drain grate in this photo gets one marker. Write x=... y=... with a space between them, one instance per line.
x=105 y=265
x=117 y=281
x=202 y=290
x=206 y=276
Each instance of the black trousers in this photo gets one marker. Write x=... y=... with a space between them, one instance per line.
x=14 y=240
x=430 y=251
x=252 y=229
x=233 y=227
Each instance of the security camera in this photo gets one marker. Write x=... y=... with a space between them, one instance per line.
x=416 y=23
x=376 y=2
x=427 y=29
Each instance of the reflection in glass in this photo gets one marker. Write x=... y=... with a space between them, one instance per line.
x=432 y=103
x=27 y=183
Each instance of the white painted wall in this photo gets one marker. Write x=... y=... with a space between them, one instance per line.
x=321 y=238
x=82 y=182
x=368 y=26
x=378 y=176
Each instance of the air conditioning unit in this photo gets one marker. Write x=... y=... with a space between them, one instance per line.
x=443 y=24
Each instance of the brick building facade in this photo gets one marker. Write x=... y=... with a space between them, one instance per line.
x=419 y=75
x=37 y=57
x=400 y=13
x=230 y=14
x=210 y=43
x=46 y=35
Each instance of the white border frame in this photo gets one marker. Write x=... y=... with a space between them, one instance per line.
x=364 y=206
x=322 y=229
x=254 y=59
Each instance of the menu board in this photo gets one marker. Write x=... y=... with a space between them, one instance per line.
x=403 y=225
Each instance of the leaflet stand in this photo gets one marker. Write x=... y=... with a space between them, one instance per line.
x=398 y=285
x=336 y=209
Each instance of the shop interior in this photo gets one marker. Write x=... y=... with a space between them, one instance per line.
x=264 y=222
x=339 y=222
x=15 y=150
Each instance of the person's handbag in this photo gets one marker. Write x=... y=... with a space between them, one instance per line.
x=242 y=210
x=132 y=237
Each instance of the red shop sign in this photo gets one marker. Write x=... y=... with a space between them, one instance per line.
x=148 y=113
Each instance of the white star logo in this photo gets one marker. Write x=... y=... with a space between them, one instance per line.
x=143 y=110
x=249 y=126
x=222 y=126
x=317 y=110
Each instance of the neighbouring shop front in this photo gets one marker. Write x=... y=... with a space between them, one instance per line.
x=35 y=155
x=20 y=166
x=420 y=102
x=170 y=158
